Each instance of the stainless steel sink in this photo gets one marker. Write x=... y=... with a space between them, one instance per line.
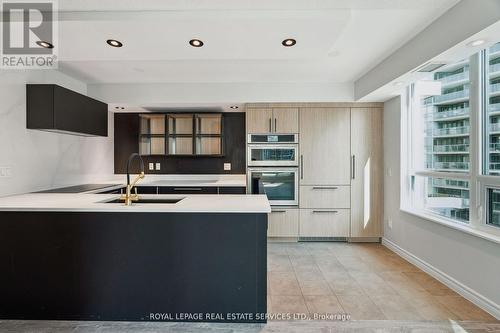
x=147 y=201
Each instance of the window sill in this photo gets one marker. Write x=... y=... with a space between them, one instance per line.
x=454 y=225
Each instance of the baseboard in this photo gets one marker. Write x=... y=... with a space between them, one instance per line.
x=468 y=293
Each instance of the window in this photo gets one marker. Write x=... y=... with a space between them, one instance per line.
x=451 y=145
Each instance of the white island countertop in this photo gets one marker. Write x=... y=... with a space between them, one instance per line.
x=87 y=202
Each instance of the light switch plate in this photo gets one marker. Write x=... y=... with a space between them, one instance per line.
x=227 y=166
x=5 y=172
x=389 y=223
x=158 y=166
x=151 y=166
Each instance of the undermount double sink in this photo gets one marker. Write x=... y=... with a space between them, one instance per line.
x=146 y=201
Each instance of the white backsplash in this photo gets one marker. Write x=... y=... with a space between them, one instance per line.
x=37 y=159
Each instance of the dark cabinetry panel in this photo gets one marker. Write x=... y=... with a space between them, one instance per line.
x=232 y=190
x=127 y=142
x=187 y=190
x=54 y=108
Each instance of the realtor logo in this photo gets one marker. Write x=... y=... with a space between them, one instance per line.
x=29 y=35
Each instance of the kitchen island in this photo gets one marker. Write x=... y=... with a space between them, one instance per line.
x=82 y=257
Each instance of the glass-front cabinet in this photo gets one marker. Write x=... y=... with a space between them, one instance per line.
x=181 y=134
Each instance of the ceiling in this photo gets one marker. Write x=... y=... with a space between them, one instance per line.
x=337 y=40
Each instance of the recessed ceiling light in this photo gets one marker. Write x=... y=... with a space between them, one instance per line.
x=398 y=83
x=234 y=107
x=119 y=108
x=476 y=42
x=114 y=43
x=289 y=42
x=196 y=43
x=45 y=44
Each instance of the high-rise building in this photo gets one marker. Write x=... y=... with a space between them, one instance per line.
x=447 y=138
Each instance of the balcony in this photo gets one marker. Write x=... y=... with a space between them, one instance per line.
x=450 y=183
x=494 y=128
x=495 y=147
x=451 y=131
x=448 y=80
x=444 y=115
x=494 y=107
x=495 y=48
x=495 y=89
x=456 y=96
x=456 y=148
x=452 y=166
x=446 y=201
x=494 y=69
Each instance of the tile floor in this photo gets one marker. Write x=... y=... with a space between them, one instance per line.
x=366 y=281
x=379 y=290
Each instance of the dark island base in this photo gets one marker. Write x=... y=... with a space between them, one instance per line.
x=206 y=267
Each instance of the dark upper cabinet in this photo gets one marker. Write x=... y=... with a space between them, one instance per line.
x=54 y=108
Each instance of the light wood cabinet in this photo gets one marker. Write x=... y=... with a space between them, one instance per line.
x=286 y=120
x=259 y=120
x=325 y=146
x=283 y=223
x=277 y=120
x=324 y=196
x=324 y=223
x=367 y=173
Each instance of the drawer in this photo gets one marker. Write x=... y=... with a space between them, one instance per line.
x=324 y=222
x=283 y=223
x=232 y=190
x=187 y=190
x=323 y=196
x=145 y=190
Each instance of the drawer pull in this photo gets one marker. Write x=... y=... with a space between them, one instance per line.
x=325 y=211
x=278 y=211
x=325 y=188
x=187 y=189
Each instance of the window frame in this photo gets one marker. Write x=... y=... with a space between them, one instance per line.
x=479 y=182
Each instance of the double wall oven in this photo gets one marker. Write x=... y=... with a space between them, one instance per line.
x=273 y=167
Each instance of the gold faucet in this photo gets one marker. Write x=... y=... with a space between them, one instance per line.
x=128 y=197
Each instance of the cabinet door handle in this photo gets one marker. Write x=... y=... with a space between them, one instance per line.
x=325 y=188
x=353 y=168
x=278 y=211
x=275 y=130
x=325 y=211
x=301 y=166
x=270 y=125
x=187 y=189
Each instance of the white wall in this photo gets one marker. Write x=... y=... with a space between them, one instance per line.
x=38 y=159
x=470 y=260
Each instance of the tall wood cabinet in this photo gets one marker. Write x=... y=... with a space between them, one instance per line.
x=367 y=173
x=325 y=146
x=272 y=120
x=341 y=168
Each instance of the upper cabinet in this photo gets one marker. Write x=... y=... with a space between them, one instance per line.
x=367 y=172
x=325 y=146
x=181 y=134
x=272 y=120
x=57 y=109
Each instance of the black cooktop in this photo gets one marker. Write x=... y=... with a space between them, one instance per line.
x=78 y=188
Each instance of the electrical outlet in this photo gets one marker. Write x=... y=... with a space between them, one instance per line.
x=151 y=166
x=5 y=172
x=158 y=166
x=227 y=166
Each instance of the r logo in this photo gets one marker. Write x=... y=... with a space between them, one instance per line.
x=25 y=24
